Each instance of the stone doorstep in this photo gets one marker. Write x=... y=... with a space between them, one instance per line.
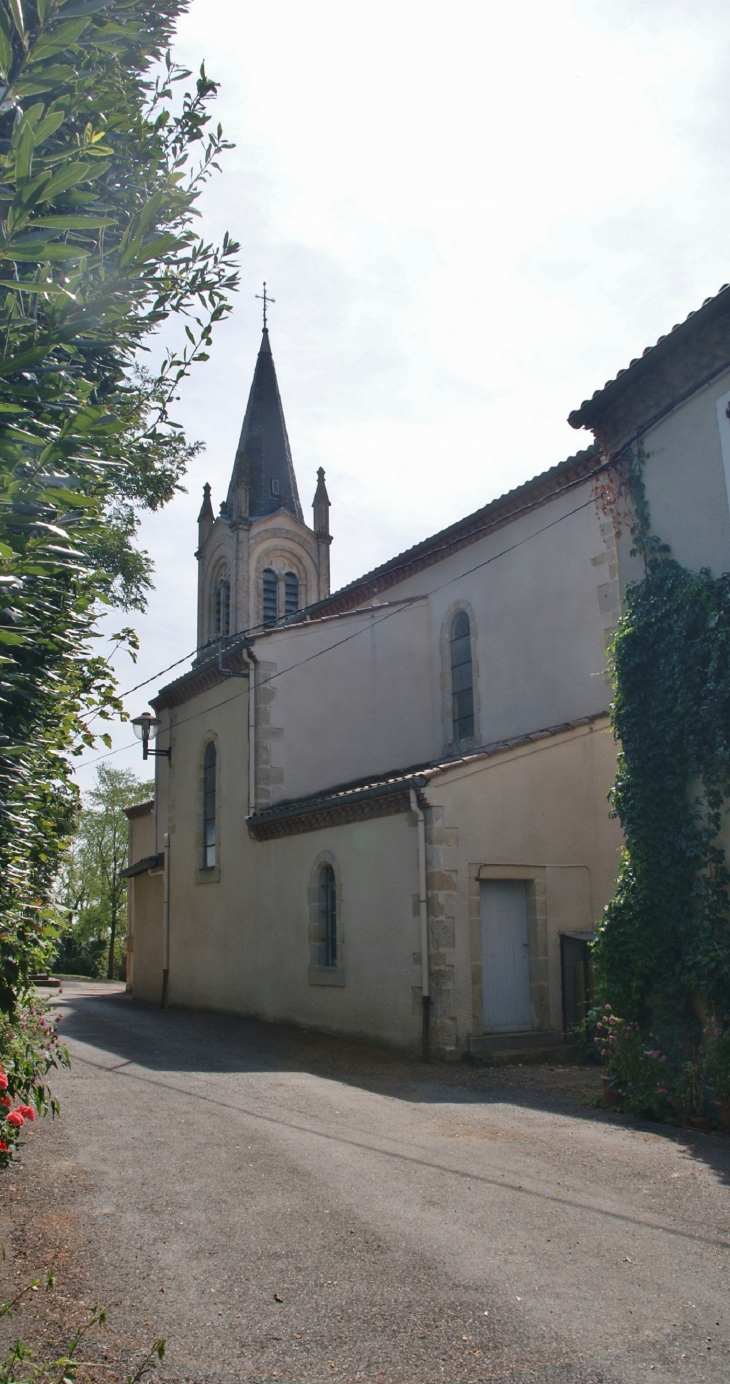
x=529 y=1046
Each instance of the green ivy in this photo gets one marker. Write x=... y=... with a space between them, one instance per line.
x=663 y=951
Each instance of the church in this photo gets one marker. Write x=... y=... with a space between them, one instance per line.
x=383 y=812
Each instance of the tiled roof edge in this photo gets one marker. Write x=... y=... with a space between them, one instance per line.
x=140 y=809
x=338 y=805
x=590 y=409
x=465 y=531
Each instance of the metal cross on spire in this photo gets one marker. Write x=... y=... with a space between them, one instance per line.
x=265 y=299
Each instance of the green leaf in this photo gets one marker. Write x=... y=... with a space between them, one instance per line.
x=24 y=155
x=74 y=223
x=41 y=252
x=11 y=637
x=16 y=10
x=87 y=7
x=57 y=40
x=33 y=286
x=66 y=177
x=47 y=127
x=6 y=48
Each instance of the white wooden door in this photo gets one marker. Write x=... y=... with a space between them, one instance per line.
x=506 y=1003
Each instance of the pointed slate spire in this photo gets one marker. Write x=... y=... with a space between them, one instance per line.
x=263 y=477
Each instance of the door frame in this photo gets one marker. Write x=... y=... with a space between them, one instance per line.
x=537 y=935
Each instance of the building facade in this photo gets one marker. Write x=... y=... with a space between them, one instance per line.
x=385 y=812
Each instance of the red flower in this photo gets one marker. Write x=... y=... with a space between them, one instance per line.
x=5 y=1100
x=3 y=1081
x=3 y=1146
x=27 y=1112
x=16 y=1119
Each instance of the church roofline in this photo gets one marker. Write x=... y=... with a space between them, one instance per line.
x=657 y=360
x=511 y=505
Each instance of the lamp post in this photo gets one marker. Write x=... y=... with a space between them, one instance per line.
x=146 y=727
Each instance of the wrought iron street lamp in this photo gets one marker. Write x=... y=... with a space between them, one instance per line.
x=146 y=727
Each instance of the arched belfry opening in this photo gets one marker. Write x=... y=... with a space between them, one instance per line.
x=273 y=563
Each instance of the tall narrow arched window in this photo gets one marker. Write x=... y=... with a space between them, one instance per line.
x=270 y=611
x=291 y=593
x=462 y=678
x=223 y=607
x=327 y=901
x=209 y=814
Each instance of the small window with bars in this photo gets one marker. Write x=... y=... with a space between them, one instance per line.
x=327 y=901
x=209 y=807
x=291 y=593
x=270 y=611
x=462 y=678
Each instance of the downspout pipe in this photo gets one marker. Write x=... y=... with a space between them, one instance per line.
x=251 y=732
x=166 y=917
x=423 y=918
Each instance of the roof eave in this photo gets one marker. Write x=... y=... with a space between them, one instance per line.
x=592 y=410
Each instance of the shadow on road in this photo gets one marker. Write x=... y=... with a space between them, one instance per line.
x=194 y=1041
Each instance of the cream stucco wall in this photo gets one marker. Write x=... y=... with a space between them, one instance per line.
x=346 y=696
x=686 y=483
x=241 y=942
x=368 y=692
x=536 y=812
x=248 y=950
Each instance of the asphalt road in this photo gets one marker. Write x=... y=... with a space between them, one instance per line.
x=279 y=1205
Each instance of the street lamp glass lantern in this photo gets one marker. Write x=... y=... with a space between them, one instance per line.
x=146 y=726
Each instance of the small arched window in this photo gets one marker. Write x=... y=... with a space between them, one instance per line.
x=270 y=611
x=291 y=593
x=209 y=815
x=223 y=607
x=327 y=906
x=462 y=678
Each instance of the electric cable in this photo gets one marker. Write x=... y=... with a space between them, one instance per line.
x=405 y=604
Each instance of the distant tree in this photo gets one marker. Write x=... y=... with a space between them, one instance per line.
x=94 y=888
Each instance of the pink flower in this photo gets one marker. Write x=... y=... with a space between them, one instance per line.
x=15 y=1119
x=3 y=1082
x=27 y=1112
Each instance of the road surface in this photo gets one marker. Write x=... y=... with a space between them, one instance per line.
x=284 y=1206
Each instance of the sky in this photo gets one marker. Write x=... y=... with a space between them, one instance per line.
x=470 y=215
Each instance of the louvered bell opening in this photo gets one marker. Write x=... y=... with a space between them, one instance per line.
x=291 y=593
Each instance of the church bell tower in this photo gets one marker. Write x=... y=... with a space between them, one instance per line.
x=258 y=562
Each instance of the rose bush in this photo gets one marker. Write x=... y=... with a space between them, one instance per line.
x=662 y=1077
x=29 y=1048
